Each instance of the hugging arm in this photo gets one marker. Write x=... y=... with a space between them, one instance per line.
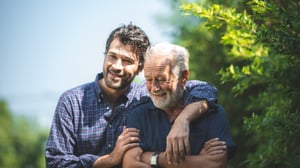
x=199 y=97
x=127 y=140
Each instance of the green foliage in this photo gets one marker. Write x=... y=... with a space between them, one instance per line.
x=7 y=154
x=22 y=143
x=262 y=42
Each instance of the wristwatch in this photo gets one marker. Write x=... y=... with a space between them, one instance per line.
x=154 y=159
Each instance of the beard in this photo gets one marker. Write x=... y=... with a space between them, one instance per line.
x=171 y=100
x=118 y=83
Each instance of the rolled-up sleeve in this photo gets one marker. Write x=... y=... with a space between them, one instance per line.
x=196 y=90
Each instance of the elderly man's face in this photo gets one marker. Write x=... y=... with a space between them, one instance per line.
x=164 y=88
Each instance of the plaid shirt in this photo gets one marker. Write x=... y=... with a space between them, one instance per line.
x=85 y=127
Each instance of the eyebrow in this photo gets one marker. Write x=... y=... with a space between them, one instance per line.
x=123 y=57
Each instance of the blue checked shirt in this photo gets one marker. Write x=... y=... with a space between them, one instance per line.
x=85 y=127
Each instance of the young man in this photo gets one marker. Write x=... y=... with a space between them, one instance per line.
x=88 y=128
x=166 y=72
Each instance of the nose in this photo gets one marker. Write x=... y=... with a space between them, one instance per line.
x=117 y=64
x=154 y=86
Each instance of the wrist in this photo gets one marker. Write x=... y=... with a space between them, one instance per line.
x=162 y=160
x=145 y=157
x=104 y=161
x=154 y=159
x=183 y=120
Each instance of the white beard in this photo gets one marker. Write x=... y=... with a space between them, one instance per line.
x=172 y=99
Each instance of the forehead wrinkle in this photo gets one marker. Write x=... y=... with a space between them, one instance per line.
x=157 y=67
x=152 y=62
x=157 y=61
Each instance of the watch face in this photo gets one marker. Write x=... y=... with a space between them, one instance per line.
x=153 y=159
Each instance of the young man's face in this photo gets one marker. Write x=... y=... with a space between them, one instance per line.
x=165 y=90
x=120 y=65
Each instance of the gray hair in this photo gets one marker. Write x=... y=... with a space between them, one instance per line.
x=178 y=54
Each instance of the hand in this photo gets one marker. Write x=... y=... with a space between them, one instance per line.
x=213 y=146
x=127 y=140
x=178 y=142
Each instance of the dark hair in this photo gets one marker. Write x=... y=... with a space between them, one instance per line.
x=131 y=35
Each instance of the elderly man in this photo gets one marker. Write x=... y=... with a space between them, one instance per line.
x=166 y=72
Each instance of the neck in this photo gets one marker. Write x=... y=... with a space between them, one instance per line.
x=173 y=113
x=109 y=94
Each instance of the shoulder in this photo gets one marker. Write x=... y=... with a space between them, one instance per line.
x=190 y=84
x=141 y=113
x=195 y=89
x=77 y=92
x=138 y=89
x=85 y=89
x=143 y=108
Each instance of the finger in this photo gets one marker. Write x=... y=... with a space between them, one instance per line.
x=131 y=130
x=129 y=133
x=217 y=152
x=211 y=140
x=130 y=145
x=182 y=153
x=131 y=138
x=212 y=143
x=216 y=148
x=217 y=143
x=187 y=147
x=175 y=157
x=169 y=151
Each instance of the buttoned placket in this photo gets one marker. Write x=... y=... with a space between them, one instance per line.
x=109 y=127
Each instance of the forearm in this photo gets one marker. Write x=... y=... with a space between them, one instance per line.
x=104 y=161
x=195 y=161
x=72 y=161
x=193 y=111
x=133 y=159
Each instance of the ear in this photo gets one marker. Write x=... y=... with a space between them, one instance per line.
x=185 y=76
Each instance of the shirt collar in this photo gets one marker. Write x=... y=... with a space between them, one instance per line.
x=99 y=93
x=97 y=87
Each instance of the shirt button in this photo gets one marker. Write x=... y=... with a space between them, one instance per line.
x=109 y=145
x=109 y=126
x=107 y=108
